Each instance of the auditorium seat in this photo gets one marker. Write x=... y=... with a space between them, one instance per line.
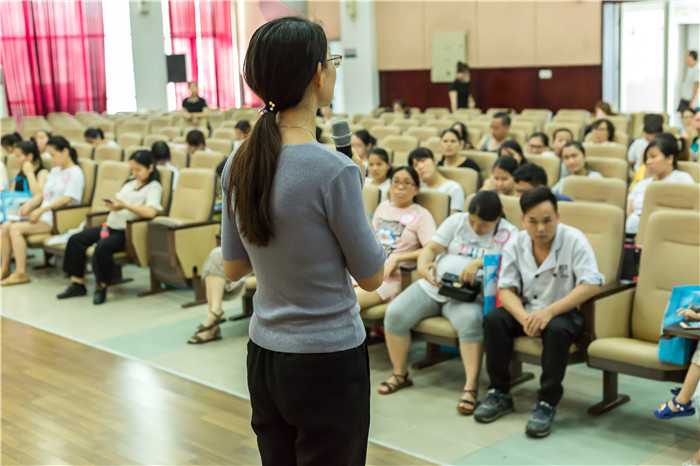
x=484 y=128
x=466 y=114
x=103 y=152
x=627 y=340
x=611 y=191
x=551 y=166
x=637 y=122
x=619 y=138
x=575 y=128
x=178 y=158
x=422 y=133
x=665 y=197
x=152 y=138
x=357 y=118
x=368 y=123
x=621 y=122
x=519 y=136
x=493 y=110
x=440 y=125
x=380 y=131
x=129 y=139
x=206 y=160
x=139 y=127
x=583 y=113
x=692 y=168
x=222 y=145
x=71 y=134
x=389 y=117
x=224 y=133
x=525 y=125
x=437 y=112
x=371 y=195
x=536 y=121
x=131 y=149
x=171 y=132
x=399 y=144
x=542 y=113
x=618 y=151
x=215 y=118
x=484 y=160
x=157 y=123
x=83 y=149
x=422 y=118
x=474 y=135
x=8 y=125
x=608 y=167
x=406 y=124
x=467 y=178
x=434 y=144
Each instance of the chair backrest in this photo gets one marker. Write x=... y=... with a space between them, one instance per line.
x=133 y=126
x=438 y=204
x=151 y=138
x=400 y=143
x=619 y=138
x=467 y=178
x=608 y=167
x=406 y=124
x=610 y=191
x=618 y=151
x=423 y=133
x=166 y=180
x=155 y=123
x=103 y=152
x=536 y=121
x=358 y=117
x=129 y=139
x=222 y=145
x=178 y=158
x=466 y=114
x=474 y=135
x=131 y=149
x=484 y=160
x=224 y=133
x=666 y=196
x=193 y=197
x=171 y=132
x=111 y=176
x=518 y=135
x=83 y=149
x=380 y=131
x=437 y=112
x=371 y=195
x=670 y=259
x=551 y=166
x=441 y=124
x=604 y=226
x=526 y=126
x=367 y=123
x=692 y=168
x=434 y=144
x=89 y=168
x=621 y=122
x=206 y=160
x=575 y=128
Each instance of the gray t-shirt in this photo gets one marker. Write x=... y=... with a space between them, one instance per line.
x=305 y=302
x=692 y=75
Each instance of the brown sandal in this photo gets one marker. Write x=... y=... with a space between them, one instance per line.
x=214 y=334
x=472 y=404
x=395 y=387
x=220 y=319
x=15 y=279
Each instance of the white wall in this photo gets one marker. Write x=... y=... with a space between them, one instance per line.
x=150 y=71
x=360 y=74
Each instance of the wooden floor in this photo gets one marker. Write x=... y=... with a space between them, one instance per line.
x=65 y=402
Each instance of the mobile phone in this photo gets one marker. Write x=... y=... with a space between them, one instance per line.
x=691 y=325
x=107 y=200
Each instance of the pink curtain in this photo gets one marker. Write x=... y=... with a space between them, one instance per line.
x=52 y=53
x=183 y=33
x=218 y=67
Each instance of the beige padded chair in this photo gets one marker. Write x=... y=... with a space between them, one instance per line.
x=400 y=144
x=692 y=168
x=357 y=118
x=581 y=112
x=178 y=245
x=621 y=122
x=179 y=140
x=607 y=190
x=152 y=138
x=438 y=204
x=131 y=149
x=526 y=126
x=619 y=138
x=368 y=123
x=608 y=167
x=575 y=128
x=83 y=149
x=628 y=336
x=215 y=118
x=224 y=133
x=433 y=144
x=484 y=160
x=422 y=133
x=618 y=151
x=493 y=110
x=371 y=195
x=171 y=132
x=518 y=135
x=380 y=131
x=511 y=210
x=542 y=113
x=484 y=128
x=437 y=112
x=551 y=166
x=8 y=125
x=667 y=196
x=139 y=127
x=206 y=160
x=441 y=124
x=223 y=146
x=178 y=158
x=103 y=152
x=467 y=178
x=129 y=139
x=466 y=114
x=537 y=122
x=474 y=135
x=157 y=123
x=389 y=117
x=406 y=124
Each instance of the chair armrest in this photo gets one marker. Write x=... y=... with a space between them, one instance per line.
x=191 y=244
x=193 y=225
x=136 y=241
x=68 y=217
x=407 y=270
x=588 y=308
x=95 y=219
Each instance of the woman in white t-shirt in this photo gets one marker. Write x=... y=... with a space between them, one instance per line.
x=662 y=163
x=403 y=227
x=379 y=169
x=139 y=197
x=573 y=155
x=64 y=186
x=423 y=161
x=458 y=248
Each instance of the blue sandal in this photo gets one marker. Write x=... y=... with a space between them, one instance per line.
x=664 y=412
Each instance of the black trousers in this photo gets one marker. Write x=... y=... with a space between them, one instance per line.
x=102 y=262
x=500 y=328
x=310 y=409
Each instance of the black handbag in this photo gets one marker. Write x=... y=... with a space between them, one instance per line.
x=453 y=288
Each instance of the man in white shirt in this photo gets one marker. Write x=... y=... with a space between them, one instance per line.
x=546 y=273
x=653 y=125
x=689 y=86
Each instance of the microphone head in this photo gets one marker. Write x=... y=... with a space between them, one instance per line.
x=340 y=130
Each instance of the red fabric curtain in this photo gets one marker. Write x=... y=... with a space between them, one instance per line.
x=183 y=33
x=217 y=65
x=52 y=54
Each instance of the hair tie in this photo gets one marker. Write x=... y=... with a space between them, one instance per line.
x=269 y=108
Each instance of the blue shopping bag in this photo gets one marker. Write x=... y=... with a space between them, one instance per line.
x=13 y=200
x=678 y=350
x=492 y=267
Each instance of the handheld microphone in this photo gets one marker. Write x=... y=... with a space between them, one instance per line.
x=340 y=130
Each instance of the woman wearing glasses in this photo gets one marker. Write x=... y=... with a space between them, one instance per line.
x=403 y=228
x=304 y=233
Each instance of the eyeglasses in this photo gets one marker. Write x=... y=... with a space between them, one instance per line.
x=405 y=184
x=336 y=60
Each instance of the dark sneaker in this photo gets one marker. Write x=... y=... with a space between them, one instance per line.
x=73 y=290
x=100 y=295
x=495 y=405
x=540 y=423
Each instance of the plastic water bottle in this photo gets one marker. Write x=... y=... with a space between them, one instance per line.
x=104 y=231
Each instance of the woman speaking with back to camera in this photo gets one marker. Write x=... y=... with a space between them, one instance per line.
x=294 y=214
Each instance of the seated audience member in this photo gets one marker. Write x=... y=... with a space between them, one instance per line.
x=194 y=108
x=195 y=141
x=574 y=158
x=379 y=168
x=450 y=145
x=461 y=129
x=41 y=138
x=32 y=174
x=532 y=176
x=603 y=132
x=217 y=286
x=512 y=149
x=458 y=93
x=139 y=197
x=687 y=128
x=64 y=186
x=423 y=162
x=8 y=142
x=546 y=273
x=602 y=109
x=161 y=156
x=403 y=227
x=399 y=106
x=539 y=145
x=458 y=248
x=560 y=137
x=662 y=166
x=363 y=142
x=695 y=142
x=95 y=137
x=503 y=177
x=653 y=125
x=500 y=127
x=242 y=130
